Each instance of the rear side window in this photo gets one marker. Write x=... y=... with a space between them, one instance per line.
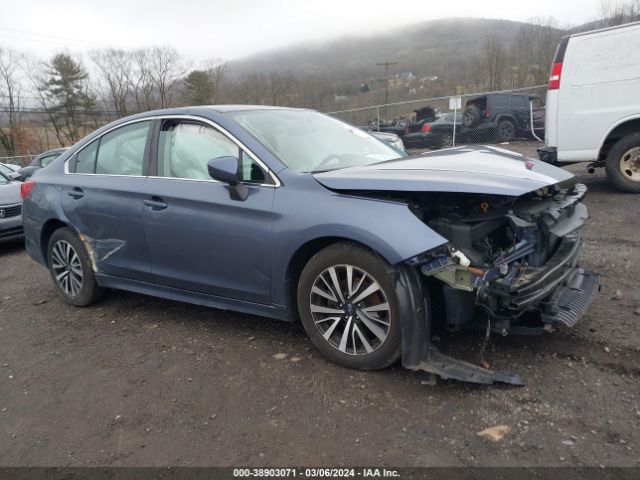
x=44 y=161
x=499 y=100
x=519 y=102
x=119 y=152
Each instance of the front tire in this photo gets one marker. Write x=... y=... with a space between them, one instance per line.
x=623 y=164
x=71 y=270
x=348 y=307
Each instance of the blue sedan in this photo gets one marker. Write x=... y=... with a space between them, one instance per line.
x=292 y=214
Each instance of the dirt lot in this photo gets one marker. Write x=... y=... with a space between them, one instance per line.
x=141 y=381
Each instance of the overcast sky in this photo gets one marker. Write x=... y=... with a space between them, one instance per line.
x=229 y=29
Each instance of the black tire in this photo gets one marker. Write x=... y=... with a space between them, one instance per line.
x=446 y=140
x=88 y=292
x=341 y=255
x=471 y=116
x=506 y=131
x=625 y=153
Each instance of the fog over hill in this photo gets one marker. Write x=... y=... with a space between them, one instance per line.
x=446 y=48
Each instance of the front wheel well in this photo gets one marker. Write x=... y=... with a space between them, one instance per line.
x=627 y=128
x=48 y=228
x=298 y=261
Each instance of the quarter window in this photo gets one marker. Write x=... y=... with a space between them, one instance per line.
x=86 y=159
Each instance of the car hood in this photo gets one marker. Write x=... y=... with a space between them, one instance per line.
x=474 y=169
x=10 y=194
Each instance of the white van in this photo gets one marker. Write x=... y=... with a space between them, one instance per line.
x=593 y=104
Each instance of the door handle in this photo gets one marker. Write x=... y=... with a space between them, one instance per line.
x=155 y=203
x=76 y=193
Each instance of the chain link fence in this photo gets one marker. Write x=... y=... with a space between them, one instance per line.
x=499 y=117
x=19 y=160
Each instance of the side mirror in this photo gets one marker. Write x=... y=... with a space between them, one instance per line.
x=225 y=170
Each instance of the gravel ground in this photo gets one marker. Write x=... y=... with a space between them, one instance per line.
x=141 y=381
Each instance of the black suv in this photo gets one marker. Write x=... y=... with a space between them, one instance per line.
x=503 y=115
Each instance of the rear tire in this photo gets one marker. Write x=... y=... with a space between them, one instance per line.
x=446 y=140
x=71 y=270
x=506 y=131
x=349 y=326
x=623 y=164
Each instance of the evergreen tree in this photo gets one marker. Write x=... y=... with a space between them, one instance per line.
x=66 y=97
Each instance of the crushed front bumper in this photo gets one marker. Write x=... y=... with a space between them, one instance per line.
x=560 y=291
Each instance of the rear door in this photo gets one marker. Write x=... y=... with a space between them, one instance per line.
x=103 y=200
x=200 y=239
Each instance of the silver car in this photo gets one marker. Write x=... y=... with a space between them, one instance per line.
x=10 y=209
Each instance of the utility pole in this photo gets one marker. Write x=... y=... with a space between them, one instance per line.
x=386 y=66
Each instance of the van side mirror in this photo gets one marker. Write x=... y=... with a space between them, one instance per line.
x=226 y=170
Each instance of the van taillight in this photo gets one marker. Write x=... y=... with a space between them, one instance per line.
x=554 y=78
x=26 y=187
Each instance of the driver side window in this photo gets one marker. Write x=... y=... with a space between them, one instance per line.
x=185 y=148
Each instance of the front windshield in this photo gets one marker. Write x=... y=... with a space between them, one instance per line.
x=308 y=141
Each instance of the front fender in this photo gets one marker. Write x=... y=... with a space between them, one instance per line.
x=308 y=211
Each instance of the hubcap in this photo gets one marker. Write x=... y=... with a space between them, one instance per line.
x=350 y=309
x=67 y=267
x=630 y=164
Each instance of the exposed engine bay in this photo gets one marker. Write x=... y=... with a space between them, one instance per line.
x=506 y=256
x=509 y=266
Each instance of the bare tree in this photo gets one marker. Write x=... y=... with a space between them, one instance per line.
x=155 y=75
x=114 y=67
x=167 y=67
x=616 y=12
x=533 y=51
x=492 y=62
x=217 y=70
x=283 y=89
x=11 y=99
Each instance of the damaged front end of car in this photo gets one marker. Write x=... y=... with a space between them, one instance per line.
x=510 y=267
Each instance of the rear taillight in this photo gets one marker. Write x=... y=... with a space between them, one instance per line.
x=487 y=114
x=26 y=187
x=425 y=127
x=554 y=78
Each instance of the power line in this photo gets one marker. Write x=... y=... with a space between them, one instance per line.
x=42 y=38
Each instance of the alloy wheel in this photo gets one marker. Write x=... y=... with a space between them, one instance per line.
x=350 y=309
x=67 y=268
x=630 y=164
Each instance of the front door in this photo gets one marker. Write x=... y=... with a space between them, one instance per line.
x=199 y=239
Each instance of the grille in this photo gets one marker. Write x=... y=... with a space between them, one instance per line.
x=10 y=211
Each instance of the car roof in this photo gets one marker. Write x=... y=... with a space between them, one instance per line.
x=213 y=108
